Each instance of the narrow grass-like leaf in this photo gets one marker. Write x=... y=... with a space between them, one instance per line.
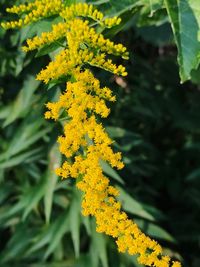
x=22 y=158
x=99 y=246
x=74 y=219
x=133 y=206
x=154 y=230
x=54 y=162
x=27 y=134
x=34 y=196
x=17 y=244
x=111 y=172
x=23 y=101
x=60 y=229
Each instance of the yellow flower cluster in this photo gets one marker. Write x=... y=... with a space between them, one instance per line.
x=80 y=33
x=85 y=143
x=67 y=60
x=33 y=12
x=85 y=46
x=58 y=31
x=45 y=8
x=85 y=10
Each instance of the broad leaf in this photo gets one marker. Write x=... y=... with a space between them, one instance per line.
x=185 y=20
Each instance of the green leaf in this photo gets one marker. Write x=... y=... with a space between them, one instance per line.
x=34 y=196
x=47 y=49
x=5 y=111
x=98 y=247
x=117 y=132
x=185 y=20
x=25 y=157
x=37 y=28
x=131 y=205
x=119 y=7
x=45 y=187
x=107 y=169
x=54 y=162
x=51 y=234
x=154 y=230
x=43 y=238
x=61 y=227
x=86 y=221
x=155 y=5
x=5 y=191
x=70 y=2
x=8 y=211
x=27 y=134
x=17 y=244
x=74 y=221
x=98 y=2
x=23 y=101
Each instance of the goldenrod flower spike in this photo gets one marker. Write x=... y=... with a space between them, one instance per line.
x=99 y=198
x=33 y=12
x=88 y=11
x=77 y=32
x=58 y=31
x=85 y=142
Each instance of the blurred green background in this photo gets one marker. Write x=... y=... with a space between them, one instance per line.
x=155 y=123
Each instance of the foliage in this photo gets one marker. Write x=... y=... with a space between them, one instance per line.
x=184 y=16
x=154 y=123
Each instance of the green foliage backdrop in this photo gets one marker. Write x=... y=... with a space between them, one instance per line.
x=155 y=123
